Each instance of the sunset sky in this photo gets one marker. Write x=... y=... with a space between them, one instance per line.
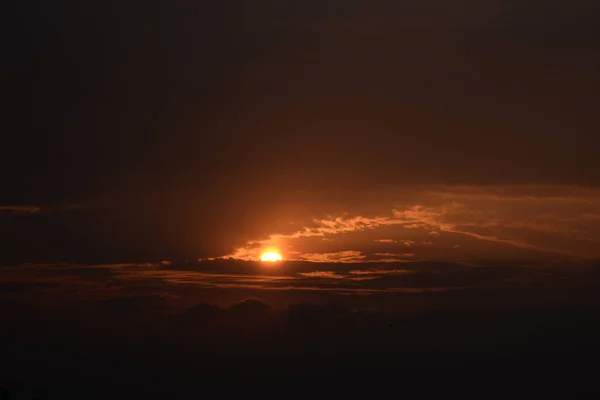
x=335 y=131
x=169 y=133
x=382 y=148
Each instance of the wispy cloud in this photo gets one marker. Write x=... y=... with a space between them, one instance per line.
x=527 y=193
x=322 y=274
x=386 y=241
x=545 y=220
x=35 y=209
x=22 y=209
x=348 y=256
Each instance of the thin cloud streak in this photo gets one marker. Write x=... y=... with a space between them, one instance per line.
x=22 y=209
x=102 y=282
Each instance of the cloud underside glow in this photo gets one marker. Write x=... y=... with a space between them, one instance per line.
x=448 y=223
x=107 y=281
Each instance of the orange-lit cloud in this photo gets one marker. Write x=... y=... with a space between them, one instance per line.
x=525 y=221
x=321 y=274
x=342 y=256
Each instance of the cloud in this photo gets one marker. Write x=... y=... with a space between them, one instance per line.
x=22 y=209
x=341 y=256
x=380 y=272
x=388 y=257
x=386 y=254
x=114 y=292
x=321 y=274
x=518 y=193
x=137 y=303
x=36 y=209
x=250 y=341
x=202 y=313
x=250 y=307
x=552 y=220
x=474 y=222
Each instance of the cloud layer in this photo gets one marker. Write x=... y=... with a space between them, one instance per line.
x=463 y=223
x=223 y=280
x=114 y=328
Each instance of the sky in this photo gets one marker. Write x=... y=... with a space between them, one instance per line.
x=400 y=155
x=183 y=130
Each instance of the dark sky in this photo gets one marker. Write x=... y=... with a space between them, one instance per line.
x=184 y=129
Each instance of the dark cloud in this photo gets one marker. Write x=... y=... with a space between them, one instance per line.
x=128 y=304
x=313 y=342
x=203 y=312
x=159 y=288
x=249 y=308
x=185 y=321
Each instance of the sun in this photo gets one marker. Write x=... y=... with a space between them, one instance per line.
x=271 y=256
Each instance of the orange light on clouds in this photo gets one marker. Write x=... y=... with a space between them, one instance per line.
x=271 y=256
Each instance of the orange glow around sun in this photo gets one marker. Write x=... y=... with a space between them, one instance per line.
x=271 y=256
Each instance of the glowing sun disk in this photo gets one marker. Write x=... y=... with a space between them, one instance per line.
x=271 y=256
